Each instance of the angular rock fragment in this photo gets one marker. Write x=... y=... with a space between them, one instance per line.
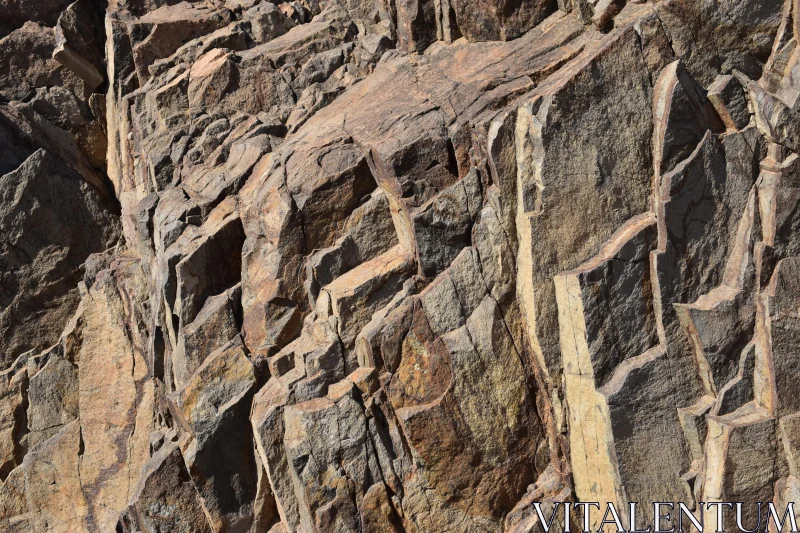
x=77 y=47
x=268 y=429
x=719 y=327
x=329 y=474
x=39 y=263
x=789 y=436
x=785 y=328
x=741 y=389
x=159 y=33
x=695 y=426
x=616 y=279
x=612 y=188
x=211 y=265
x=737 y=443
x=52 y=399
x=115 y=396
x=17 y=13
x=615 y=388
x=727 y=96
x=416 y=24
x=360 y=292
x=452 y=381
x=26 y=62
x=267 y=22
x=368 y=232
x=715 y=173
x=14 y=386
x=53 y=483
x=216 y=323
x=491 y=20
x=740 y=37
x=442 y=226
x=682 y=116
x=214 y=407
x=776 y=121
x=13 y=504
x=209 y=78
x=165 y=498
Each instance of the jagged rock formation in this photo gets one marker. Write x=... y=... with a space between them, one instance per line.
x=394 y=265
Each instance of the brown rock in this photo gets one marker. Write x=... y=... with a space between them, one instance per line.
x=52 y=399
x=53 y=484
x=209 y=78
x=360 y=292
x=268 y=428
x=213 y=407
x=735 y=444
x=76 y=45
x=165 y=498
x=42 y=264
x=162 y=31
x=416 y=24
x=396 y=265
x=210 y=266
x=216 y=323
x=613 y=189
x=13 y=504
x=727 y=96
x=115 y=397
x=490 y=20
x=14 y=442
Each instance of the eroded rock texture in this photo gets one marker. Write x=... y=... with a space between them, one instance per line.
x=387 y=266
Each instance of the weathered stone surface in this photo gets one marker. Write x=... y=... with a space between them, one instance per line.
x=727 y=96
x=416 y=24
x=159 y=33
x=26 y=62
x=619 y=278
x=52 y=220
x=53 y=484
x=16 y=13
x=210 y=265
x=368 y=232
x=53 y=397
x=785 y=326
x=736 y=444
x=14 y=386
x=217 y=322
x=682 y=114
x=267 y=22
x=116 y=396
x=469 y=396
x=613 y=374
x=77 y=45
x=329 y=473
x=397 y=265
x=565 y=160
x=13 y=504
x=740 y=35
x=213 y=407
x=360 y=292
x=492 y=20
x=268 y=428
x=165 y=499
x=442 y=226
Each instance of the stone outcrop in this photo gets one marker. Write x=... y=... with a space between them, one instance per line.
x=386 y=266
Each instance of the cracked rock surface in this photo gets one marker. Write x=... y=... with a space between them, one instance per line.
x=388 y=266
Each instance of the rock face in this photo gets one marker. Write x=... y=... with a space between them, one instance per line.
x=395 y=266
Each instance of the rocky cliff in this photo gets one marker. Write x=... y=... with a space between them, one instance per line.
x=395 y=265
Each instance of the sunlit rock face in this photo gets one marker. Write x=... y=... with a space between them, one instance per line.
x=387 y=266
